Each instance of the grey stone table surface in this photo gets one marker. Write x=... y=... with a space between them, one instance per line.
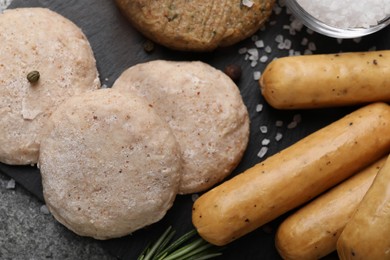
x=29 y=232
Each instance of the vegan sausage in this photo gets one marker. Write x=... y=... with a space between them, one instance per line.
x=293 y=176
x=327 y=80
x=312 y=231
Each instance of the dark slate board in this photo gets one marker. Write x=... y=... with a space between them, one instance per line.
x=118 y=46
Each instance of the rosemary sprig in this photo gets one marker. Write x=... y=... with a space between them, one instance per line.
x=188 y=247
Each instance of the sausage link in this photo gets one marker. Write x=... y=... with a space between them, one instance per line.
x=293 y=176
x=312 y=231
x=327 y=80
x=367 y=234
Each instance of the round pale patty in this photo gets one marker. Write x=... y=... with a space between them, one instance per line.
x=110 y=165
x=205 y=110
x=200 y=25
x=37 y=39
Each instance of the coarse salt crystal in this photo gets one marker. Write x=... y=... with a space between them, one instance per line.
x=304 y=41
x=253 y=63
x=279 y=123
x=279 y=38
x=287 y=44
x=259 y=44
x=253 y=54
x=263 y=151
x=194 y=197
x=11 y=184
x=278 y=137
x=312 y=46
x=242 y=50
x=263 y=129
x=259 y=108
x=277 y=9
x=247 y=3
x=281 y=46
x=265 y=141
x=263 y=58
x=292 y=125
x=297 y=25
x=256 y=75
x=268 y=49
x=44 y=210
x=297 y=118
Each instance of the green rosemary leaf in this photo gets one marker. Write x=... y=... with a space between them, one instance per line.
x=198 y=250
x=164 y=244
x=156 y=245
x=181 y=240
x=144 y=252
x=186 y=247
x=184 y=250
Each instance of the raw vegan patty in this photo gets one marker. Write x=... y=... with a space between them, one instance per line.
x=37 y=39
x=205 y=110
x=110 y=165
x=200 y=25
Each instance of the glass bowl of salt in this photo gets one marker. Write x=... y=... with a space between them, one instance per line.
x=342 y=18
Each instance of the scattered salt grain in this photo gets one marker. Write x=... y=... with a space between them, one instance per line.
x=287 y=44
x=255 y=37
x=292 y=125
x=304 y=41
x=259 y=108
x=253 y=54
x=263 y=151
x=242 y=51
x=278 y=137
x=296 y=25
x=194 y=197
x=277 y=9
x=247 y=3
x=312 y=46
x=256 y=75
x=268 y=49
x=357 y=40
x=263 y=59
x=265 y=142
x=11 y=184
x=279 y=123
x=297 y=118
x=263 y=129
x=44 y=210
x=259 y=44
x=253 y=63
x=279 y=38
